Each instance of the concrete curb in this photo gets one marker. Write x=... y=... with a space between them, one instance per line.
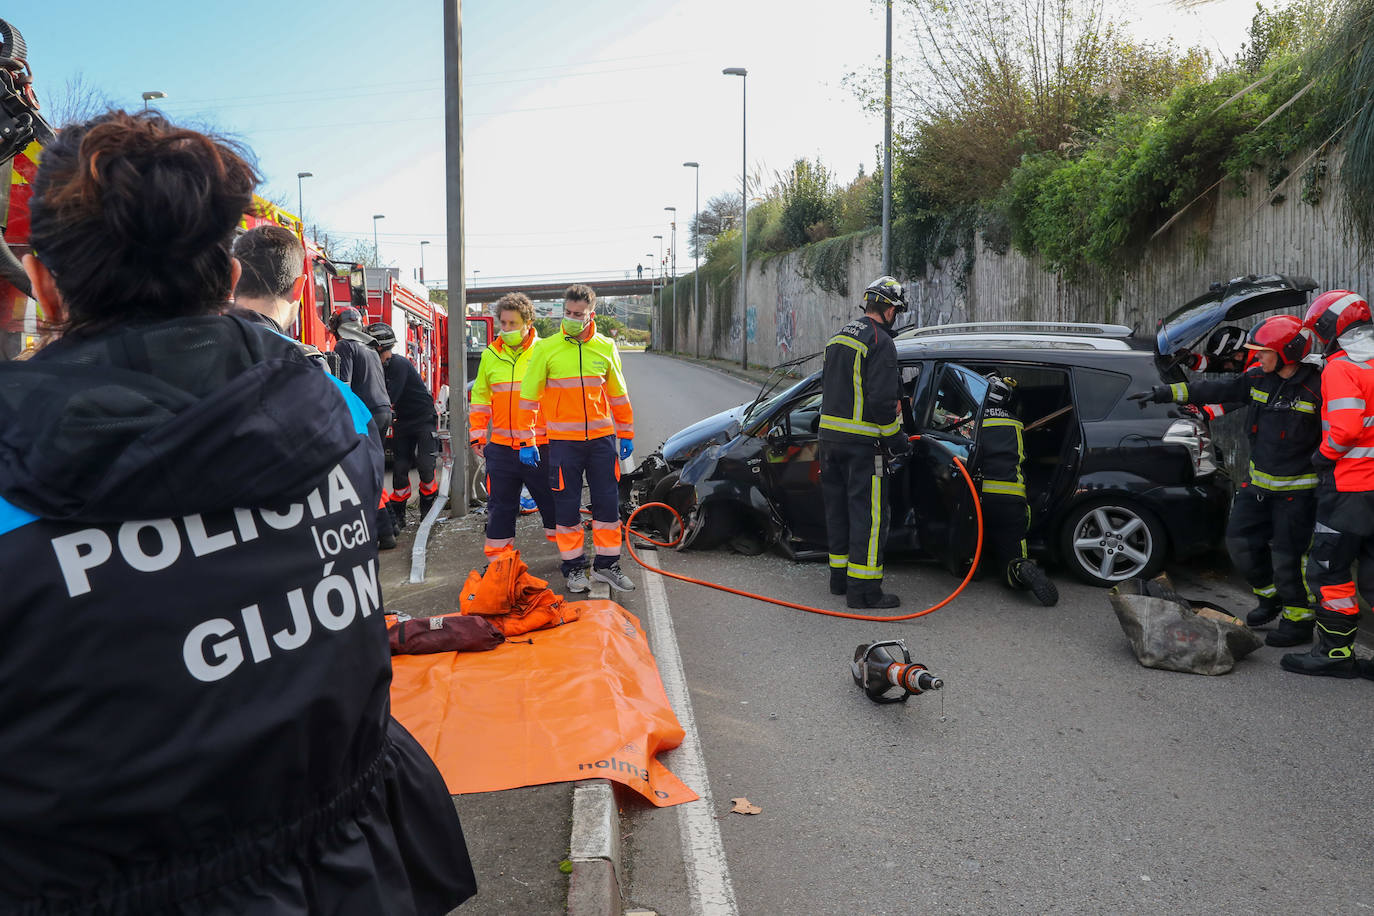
x=594 y=887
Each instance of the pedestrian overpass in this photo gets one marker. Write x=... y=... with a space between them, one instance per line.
x=544 y=290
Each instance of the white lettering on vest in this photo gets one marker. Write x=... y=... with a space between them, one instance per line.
x=78 y=552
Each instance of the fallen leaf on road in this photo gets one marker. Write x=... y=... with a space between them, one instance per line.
x=742 y=806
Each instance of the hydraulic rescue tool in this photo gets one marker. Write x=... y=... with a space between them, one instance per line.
x=879 y=667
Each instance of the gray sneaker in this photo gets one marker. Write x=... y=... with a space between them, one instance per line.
x=613 y=577
x=577 y=581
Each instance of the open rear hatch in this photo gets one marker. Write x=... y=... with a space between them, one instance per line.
x=1181 y=332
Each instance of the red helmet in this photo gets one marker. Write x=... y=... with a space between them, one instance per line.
x=1333 y=313
x=1283 y=334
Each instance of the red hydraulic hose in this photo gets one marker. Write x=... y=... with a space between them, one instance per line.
x=631 y=533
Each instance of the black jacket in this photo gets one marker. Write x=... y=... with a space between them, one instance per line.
x=862 y=405
x=1001 y=452
x=194 y=707
x=360 y=368
x=411 y=402
x=1283 y=421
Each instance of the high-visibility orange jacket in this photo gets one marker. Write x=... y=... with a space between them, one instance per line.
x=578 y=385
x=1348 y=413
x=496 y=396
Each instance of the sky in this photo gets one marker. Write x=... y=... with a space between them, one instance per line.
x=577 y=116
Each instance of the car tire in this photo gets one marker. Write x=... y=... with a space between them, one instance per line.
x=1107 y=540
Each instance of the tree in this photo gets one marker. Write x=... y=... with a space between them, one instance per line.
x=720 y=213
x=78 y=100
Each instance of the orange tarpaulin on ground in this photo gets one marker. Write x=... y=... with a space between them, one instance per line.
x=582 y=700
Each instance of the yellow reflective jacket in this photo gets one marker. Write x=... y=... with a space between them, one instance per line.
x=496 y=396
x=578 y=386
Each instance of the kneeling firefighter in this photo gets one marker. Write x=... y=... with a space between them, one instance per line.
x=1272 y=515
x=1002 y=492
x=861 y=435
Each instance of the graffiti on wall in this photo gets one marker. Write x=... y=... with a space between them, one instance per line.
x=785 y=321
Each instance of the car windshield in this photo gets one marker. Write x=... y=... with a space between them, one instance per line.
x=765 y=401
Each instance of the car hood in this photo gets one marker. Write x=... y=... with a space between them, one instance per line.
x=718 y=428
x=1238 y=298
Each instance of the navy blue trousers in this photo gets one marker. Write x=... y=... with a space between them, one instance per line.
x=505 y=476
x=598 y=461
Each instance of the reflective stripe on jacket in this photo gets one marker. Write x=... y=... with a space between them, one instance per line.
x=496 y=396
x=578 y=386
x=860 y=385
x=1282 y=422
x=1348 y=416
x=1001 y=452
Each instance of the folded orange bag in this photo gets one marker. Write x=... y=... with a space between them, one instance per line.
x=514 y=601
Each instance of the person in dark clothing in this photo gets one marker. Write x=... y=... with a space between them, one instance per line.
x=860 y=436
x=1274 y=510
x=197 y=717
x=356 y=363
x=415 y=434
x=271 y=278
x=1002 y=494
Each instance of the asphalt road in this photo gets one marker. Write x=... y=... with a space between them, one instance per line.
x=1054 y=774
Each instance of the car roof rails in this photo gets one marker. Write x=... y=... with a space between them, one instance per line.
x=1022 y=327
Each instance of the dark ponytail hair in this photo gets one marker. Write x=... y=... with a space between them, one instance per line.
x=134 y=217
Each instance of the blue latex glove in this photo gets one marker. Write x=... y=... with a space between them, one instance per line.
x=529 y=455
x=627 y=447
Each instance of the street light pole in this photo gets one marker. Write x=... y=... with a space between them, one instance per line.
x=659 y=262
x=672 y=254
x=152 y=94
x=300 y=197
x=743 y=74
x=376 y=255
x=423 y=243
x=887 y=150
x=696 y=252
x=457 y=298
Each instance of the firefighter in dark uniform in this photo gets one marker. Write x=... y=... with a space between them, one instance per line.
x=355 y=362
x=1002 y=494
x=414 y=430
x=1272 y=515
x=1340 y=322
x=860 y=435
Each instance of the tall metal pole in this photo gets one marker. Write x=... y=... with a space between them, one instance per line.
x=696 y=251
x=887 y=150
x=662 y=332
x=422 y=261
x=672 y=254
x=743 y=74
x=457 y=295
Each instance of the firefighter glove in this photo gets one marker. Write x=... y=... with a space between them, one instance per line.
x=477 y=443
x=529 y=456
x=627 y=447
x=1159 y=394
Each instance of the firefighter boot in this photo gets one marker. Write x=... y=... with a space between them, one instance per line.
x=839 y=577
x=1291 y=632
x=398 y=513
x=1268 y=608
x=426 y=501
x=1029 y=575
x=1331 y=656
x=866 y=593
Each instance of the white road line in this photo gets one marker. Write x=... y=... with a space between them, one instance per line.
x=708 y=875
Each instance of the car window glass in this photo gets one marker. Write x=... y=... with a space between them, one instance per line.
x=957 y=398
x=804 y=417
x=1098 y=391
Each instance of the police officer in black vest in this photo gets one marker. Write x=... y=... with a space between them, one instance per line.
x=861 y=434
